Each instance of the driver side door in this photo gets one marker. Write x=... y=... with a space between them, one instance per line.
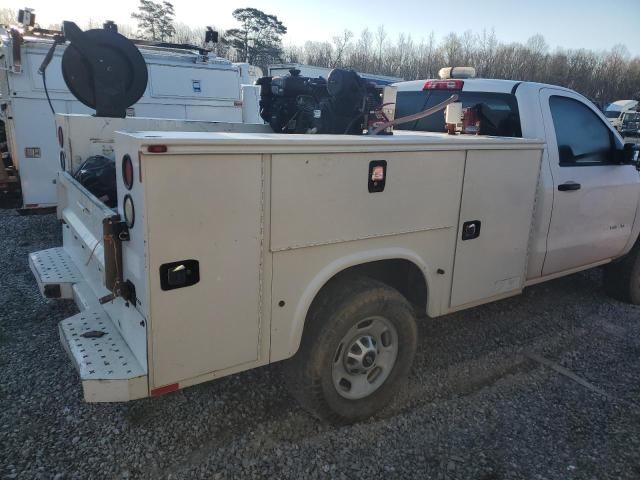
x=594 y=200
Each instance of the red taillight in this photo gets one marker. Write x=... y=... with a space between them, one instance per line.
x=443 y=85
x=237 y=103
x=60 y=137
x=166 y=389
x=157 y=148
x=127 y=172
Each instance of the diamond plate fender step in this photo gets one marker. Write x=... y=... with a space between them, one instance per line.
x=108 y=369
x=55 y=272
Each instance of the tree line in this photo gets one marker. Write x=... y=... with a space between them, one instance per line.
x=602 y=76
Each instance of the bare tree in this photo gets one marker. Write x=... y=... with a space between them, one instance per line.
x=293 y=54
x=341 y=44
x=7 y=16
x=381 y=37
x=452 y=49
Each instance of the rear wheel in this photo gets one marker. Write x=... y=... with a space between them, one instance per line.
x=622 y=278
x=358 y=346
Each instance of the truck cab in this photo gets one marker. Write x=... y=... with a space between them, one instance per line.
x=587 y=203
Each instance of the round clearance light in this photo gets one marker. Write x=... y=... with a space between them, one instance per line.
x=63 y=161
x=127 y=172
x=60 y=137
x=129 y=211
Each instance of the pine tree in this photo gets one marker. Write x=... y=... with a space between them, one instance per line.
x=155 y=20
x=257 y=41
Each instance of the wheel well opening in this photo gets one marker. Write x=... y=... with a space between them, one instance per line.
x=403 y=275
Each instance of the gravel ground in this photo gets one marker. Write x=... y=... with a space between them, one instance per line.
x=486 y=399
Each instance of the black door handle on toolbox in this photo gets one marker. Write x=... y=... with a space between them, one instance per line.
x=569 y=186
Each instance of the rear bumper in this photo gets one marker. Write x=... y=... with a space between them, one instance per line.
x=108 y=369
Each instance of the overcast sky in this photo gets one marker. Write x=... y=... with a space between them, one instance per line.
x=591 y=24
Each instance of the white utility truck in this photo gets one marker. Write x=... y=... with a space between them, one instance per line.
x=184 y=83
x=227 y=251
x=616 y=110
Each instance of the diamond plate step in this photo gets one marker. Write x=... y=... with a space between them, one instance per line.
x=55 y=272
x=108 y=369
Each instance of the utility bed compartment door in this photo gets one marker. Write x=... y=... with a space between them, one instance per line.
x=322 y=199
x=204 y=208
x=498 y=198
x=168 y=81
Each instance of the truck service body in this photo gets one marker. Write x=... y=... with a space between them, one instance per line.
x=232 y=250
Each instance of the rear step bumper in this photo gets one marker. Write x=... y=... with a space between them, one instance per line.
x=55 y=272
x=108 y=369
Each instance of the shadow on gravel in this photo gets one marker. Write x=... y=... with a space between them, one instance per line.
x=10 y=200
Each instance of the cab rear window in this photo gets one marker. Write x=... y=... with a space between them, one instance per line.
x=498 y=111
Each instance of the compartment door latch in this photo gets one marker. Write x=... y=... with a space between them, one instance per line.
x=471 y=229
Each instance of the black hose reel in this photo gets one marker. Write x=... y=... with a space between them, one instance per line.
x=103 y=70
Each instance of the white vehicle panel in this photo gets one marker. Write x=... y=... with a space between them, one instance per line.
x=594 y=222
x=214 y=324
x=323 y=185
x=499 y=192
x=193 y=82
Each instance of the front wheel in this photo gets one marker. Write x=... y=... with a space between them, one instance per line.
x=622 y=278
x=357 y=348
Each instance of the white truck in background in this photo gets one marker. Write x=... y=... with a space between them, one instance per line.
x=183 y=84
x=230 y=250
x=616 y=110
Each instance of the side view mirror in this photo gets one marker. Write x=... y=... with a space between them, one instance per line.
x=566 y=154
x=629 y=155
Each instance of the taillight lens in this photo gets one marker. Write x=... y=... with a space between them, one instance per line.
x=60 y=137
x=129 y=211
x=157 y=148
x=443 y=85
x=127 y=172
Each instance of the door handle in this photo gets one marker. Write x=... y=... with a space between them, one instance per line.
x=569 y=186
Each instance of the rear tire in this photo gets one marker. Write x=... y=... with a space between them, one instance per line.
x=357 y=349
x=622 y=278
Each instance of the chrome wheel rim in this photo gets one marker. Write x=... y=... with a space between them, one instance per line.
x=365 y=357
